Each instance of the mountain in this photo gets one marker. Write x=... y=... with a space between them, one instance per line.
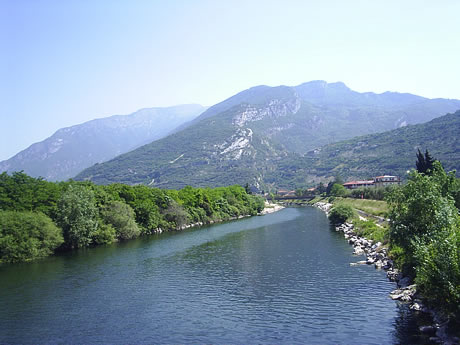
x=392 y=152
x=248 y=137
x=72 y=149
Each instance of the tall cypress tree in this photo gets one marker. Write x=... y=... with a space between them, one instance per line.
x=429 y=160
x=420 y=163
x=424 y=163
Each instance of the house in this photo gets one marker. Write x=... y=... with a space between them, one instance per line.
x=386 y=180
x=379 y=181
x=359 y=184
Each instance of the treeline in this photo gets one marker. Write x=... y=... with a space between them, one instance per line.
x=38 y=217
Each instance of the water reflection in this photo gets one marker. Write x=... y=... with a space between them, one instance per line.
x=281 y=278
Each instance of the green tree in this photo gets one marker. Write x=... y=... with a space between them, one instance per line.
x=425 y=235
x=77 y=216
x=26 y=236
x=338 y=190
x=340 y=214
x=121 y=216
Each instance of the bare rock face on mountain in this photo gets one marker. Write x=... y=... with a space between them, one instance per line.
x=260 y=135
x=72 y=149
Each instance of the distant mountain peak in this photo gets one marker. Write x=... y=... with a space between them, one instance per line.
x=72 y=149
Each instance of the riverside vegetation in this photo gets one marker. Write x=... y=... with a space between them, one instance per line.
x=422 y=236
x=38 y=217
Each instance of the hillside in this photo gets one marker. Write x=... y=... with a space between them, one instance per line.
x=392 y=152
x=248 y=137
x=72 y=149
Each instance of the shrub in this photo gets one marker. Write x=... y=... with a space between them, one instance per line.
x=340 y=214
x=25 y=236
x=338 y=190
x=121 y=217
x=77 y=216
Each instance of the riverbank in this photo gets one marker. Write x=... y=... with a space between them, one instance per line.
x=270 y=208
x=377 y=254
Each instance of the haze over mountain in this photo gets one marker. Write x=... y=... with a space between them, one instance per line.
x=72 y=149
x=248 y=137
x=392 y=152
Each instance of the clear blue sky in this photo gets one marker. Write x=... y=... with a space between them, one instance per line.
x=66 y=62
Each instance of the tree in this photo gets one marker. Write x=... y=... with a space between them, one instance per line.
x=247 y=188
x=25 y=236
x=338 y=190
x=77 y=216
x=337 y=180
x=121 y=216
x=425 y=235
x=321 y=188
x=424 y=163
x=340 y=214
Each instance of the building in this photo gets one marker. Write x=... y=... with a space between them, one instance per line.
x=386 y=180
x=379 y=181
x=359 y=184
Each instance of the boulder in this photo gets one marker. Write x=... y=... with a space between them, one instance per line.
x=404 y=282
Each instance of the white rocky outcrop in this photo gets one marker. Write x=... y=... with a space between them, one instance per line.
x=275 y=108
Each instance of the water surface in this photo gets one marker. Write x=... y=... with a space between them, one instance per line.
x=282 y=278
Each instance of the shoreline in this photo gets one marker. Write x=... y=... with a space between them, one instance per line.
x=406 y=292
x=269 y=208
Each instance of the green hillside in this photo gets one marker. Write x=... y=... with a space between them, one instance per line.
x=392 y=152
x=263 y=137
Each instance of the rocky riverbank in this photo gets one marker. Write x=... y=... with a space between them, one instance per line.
x=377 y=255
x=270 y=208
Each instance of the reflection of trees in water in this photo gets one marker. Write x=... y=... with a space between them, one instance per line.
x=407 y=326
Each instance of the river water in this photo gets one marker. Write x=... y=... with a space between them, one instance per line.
x=282 y=278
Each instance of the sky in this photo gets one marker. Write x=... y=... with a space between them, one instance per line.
x=66 y=62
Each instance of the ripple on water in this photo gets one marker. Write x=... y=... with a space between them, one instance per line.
x=280 y=278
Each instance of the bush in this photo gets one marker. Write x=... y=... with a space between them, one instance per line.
x=104 y=234
x=121 y=217
x=25 y=236
x=368 y=229
x=340 y=214
x=438 y=271
x=338 y=190
x=77 y=216
x=425 y=235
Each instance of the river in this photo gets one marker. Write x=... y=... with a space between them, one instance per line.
x=281 y=278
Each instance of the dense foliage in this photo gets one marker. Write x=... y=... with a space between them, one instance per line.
x=425 y=234
x=26 y=236
x=340 y=214
x=424 y=163
x=38 y=217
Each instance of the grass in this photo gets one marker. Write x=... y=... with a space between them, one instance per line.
x=373 y=207
x=370 y=230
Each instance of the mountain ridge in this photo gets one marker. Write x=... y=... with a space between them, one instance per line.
x=245 y=138
x=71 y=149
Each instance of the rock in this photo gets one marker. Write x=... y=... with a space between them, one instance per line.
x=370 y=261
x=427 y=329
x=379 y=264
x=417 y=306
x=403 y=282
x=358 y=251
x=395 y=296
